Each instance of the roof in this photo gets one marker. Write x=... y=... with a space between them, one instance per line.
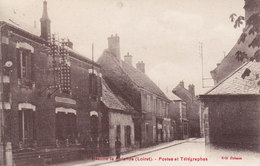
x=142 y=80
x=183 y=93
x=172 y=96
x=122 y=71
x=111 y=101
x=16 y=20
x=234 y=84
x=229 y=64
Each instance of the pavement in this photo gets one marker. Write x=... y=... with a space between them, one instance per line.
x=125 y=156
x=190 y=152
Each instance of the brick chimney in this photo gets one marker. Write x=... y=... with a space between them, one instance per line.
x=128 y=59
x=192 y=89
x=251 y=7
x=114 y=46
x=69 y=44
x=181 y=84
x=141 y=66
x=45 y=22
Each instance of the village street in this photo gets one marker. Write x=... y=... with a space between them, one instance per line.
x=180 y=152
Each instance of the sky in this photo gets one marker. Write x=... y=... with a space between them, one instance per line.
x=164 y=34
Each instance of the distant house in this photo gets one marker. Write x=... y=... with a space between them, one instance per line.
x=234 y=110
x=177 y=112
x=192 y=107
x=116 y=122
x=152 y=123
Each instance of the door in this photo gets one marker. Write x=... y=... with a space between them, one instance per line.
x=26 y=127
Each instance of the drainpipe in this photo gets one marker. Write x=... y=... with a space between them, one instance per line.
x=2 y=143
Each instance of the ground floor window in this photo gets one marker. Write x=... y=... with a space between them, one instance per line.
x=127 y=135
x=185 y=128
x=118 y=131
x=66 y=127
x=26 y=123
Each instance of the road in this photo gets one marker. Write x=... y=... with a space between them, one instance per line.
x=183 y=153
x=191 y=153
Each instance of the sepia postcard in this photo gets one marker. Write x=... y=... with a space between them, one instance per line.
x=129 y=82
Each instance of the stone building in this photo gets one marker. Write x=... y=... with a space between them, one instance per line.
x=232 y=104
x=233 y=111
x=116 y=121
x=178 y=113
x=192 y=107
x=152 y=123
x=51 y=95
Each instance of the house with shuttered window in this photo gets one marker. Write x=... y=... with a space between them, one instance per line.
x=50 y=94
x=151 y=122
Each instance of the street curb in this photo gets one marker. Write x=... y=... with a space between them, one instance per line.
x=143 y=153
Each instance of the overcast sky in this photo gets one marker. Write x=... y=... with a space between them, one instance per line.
x=164 y=34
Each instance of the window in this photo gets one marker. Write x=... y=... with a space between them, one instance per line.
x=24 y=64
x=147 y=130
x=66 y=127
x=27 y=130
x=148 y=103
x=118 y=131
x=167 y=109
x=93 y=85
x=154 y=105
x=127 y=135
x=185 y=128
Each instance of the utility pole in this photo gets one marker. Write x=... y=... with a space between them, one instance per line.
x=202 y=66
x=2 y=144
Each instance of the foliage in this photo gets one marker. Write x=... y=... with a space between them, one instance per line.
x=253 y=27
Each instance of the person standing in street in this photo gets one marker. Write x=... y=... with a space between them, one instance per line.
x=118 y=148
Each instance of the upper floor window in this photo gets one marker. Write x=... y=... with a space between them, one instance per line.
x=148 y=102
x=24 y=64
x=93 y=85
x=154 y=105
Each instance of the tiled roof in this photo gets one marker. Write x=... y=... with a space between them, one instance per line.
x=172 y=96
x=110 y=100
x=183 y=93
x=142 y=80
x=234 y=84
x=229 y=64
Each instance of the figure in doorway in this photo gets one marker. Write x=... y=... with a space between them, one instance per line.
x=118 y=148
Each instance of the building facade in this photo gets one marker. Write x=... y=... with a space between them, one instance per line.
x=178 y=112
x=192 y=107
x=117 y=122
x=233 y=114
x=152 y=123
x=50 y=95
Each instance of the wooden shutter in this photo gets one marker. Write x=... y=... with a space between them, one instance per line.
x=18 y=63
x=28 y=65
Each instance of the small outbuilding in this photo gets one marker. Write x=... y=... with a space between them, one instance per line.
x=233 y=107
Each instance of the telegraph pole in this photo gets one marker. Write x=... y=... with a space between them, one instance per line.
x=202 y=66
x=2 y=144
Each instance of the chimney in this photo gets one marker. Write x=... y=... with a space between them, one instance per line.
x=69 y=44
x=114 y=46
x=128 y=59
x=192 y=89
x=251 y=7
x=181 y=84
x=45 y=22
x=141 y=66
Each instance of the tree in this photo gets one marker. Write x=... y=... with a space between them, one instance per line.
x=252 y=27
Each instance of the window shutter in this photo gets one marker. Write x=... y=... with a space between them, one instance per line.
x=6 y=92
x=18 y=63
x=20 y=125
x=28 y=66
